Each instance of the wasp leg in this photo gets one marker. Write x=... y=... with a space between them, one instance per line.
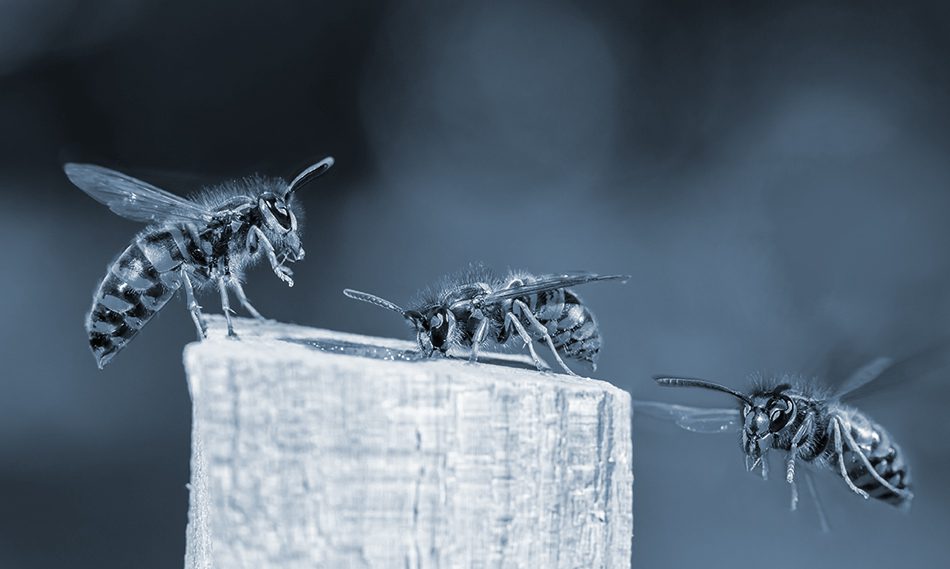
x=544 y=334
x=226 y=305
x=790 y=477
x=528 y=341
x=242 y=298
x=793 y=454
x=282 y=272
x=819 y=508
x=870 y=467
x=480 y=333
x=839 y=450
x=193 y=307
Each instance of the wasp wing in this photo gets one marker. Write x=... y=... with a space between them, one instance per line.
x=864 y=375
x=543 y=284
x=132 y=198
x=884 y=373
x=695 y=419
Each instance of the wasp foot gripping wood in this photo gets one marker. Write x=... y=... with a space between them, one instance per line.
x=320 y=449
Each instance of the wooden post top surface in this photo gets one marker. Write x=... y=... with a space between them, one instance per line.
x=267 y=339
x=313 y=448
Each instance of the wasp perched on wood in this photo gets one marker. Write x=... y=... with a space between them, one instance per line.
x=207 y=240
x=477 y=307
x=809 y=425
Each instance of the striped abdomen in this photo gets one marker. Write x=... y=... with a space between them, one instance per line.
x=883 y=454
x=570 y=324
x=137 y=285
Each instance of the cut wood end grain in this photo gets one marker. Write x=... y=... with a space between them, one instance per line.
x=314 y=448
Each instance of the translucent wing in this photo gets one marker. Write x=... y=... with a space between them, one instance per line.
x=864 y=375
x=695 y=419
x=132 y=198
x=547 y=283
x=883 y=373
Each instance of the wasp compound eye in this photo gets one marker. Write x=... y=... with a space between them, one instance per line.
x=439 y=329
x=780 y=412
x=280 y=214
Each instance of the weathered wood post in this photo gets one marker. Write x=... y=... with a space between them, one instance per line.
x=313 y=448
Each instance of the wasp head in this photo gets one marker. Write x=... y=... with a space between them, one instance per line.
x=280 y=225
x=764 y=417
x=435 y=328
x=434 y=325
x=280 y=213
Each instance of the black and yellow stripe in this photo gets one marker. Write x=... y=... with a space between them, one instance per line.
x=569 y=322
x=138 y=284
x=888 y=462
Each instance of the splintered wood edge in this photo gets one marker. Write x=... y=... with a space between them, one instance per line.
x=266 y=340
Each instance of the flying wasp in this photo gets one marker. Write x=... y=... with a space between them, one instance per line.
x=477 y=308
x=808 y=424
x=208 y=240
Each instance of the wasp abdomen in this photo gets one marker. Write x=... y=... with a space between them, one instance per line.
x=139 y=283
x=571 y=325
x=884 y=455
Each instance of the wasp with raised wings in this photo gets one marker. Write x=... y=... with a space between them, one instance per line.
x=205 y=241
x=807 y=424
x=476 y=308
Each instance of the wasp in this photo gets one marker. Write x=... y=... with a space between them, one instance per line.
x=207 y=240
x=476 y=308
x=808 y=424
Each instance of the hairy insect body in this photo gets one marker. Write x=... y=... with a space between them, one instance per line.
x=477 y=309
x=189 y=244
x=815 y=432
x=149 y=272
x=807 y=425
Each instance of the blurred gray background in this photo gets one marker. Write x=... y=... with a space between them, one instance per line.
x=773 y=176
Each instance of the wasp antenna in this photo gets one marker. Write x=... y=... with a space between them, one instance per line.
x=691 y=382
x=622 y=278
x=373 y=299
x=309 y=173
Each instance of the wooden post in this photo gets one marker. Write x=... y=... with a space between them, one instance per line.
x=313 y=448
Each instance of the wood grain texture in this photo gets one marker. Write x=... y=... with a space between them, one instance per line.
x=345 y=455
